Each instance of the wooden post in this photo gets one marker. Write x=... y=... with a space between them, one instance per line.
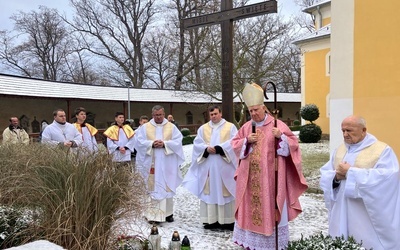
x=227 y=63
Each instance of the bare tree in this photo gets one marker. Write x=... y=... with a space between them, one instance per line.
x=192 y=45
x=288 y=71
x=42 y=44
x=114 y=30
x=258 y=49
x=159 y=60
x=83 y=68
x=304 y=20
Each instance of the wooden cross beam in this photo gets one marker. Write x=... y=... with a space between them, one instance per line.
x=225 y=17
x=232 y=14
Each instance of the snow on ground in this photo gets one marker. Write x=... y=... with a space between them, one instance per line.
x=311 y=221
x=38 y=245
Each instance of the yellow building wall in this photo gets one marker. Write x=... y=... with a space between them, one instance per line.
x=317 y=85
x=326 y=21
x=376 y=67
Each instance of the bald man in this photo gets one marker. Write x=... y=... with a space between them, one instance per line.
x=362 y=188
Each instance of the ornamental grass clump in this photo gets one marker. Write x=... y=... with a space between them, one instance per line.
x=77 y=198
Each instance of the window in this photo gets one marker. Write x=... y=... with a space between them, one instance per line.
x=189 y=117
x=328 y=64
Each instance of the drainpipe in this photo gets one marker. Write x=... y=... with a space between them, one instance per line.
x=320 y=17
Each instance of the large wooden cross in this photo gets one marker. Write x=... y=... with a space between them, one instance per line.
x=225 y=17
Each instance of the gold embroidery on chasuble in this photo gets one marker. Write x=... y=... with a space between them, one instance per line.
x=225 y=134
x=255 y=181
x=151 y=180
x=151 y=135
x=367 y=158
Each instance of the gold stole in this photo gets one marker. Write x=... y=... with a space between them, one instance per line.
x=367 y=158
x=151 y=135
x=92 y=130
x=167 y=131
x=225 y=135
x=113 y=132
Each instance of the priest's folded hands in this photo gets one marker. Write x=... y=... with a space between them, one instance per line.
x=341 y=170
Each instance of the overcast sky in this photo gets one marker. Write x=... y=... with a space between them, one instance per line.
x=13 y=6
x=288 y=7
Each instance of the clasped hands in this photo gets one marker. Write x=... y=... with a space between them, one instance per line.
x=158 y=144
x=215 y=150
x=122 y=150
x=341 y=170
x=69 y=144
x=254 y=137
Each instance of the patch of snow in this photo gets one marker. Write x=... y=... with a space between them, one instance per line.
x=313 y=219
x=38 y=245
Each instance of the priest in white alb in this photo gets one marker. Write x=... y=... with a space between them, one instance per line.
x=361 y=185
x=211 y=174
x=158 y=158
x=61 y=133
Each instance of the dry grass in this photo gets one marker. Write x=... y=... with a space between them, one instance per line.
x=76 y=198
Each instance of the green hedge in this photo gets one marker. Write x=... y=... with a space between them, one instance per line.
x=185 y=131
x=188 y=140
x=295 y=128
x=310 y=133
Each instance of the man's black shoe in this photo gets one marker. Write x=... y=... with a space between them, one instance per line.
x=212 y=226
x=170 y=218
x=228 y=226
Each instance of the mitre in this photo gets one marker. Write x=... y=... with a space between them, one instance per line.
x=253 y=94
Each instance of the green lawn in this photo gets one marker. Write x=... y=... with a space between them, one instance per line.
x=314 y=156
x=313 y=162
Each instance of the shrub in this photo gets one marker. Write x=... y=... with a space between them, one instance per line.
x=309 y=112
x=296 y=123
x=321 y=242
x=310 y=133
x=185 y=132
x=187 y=140
x=295 y=128
x=14 y=225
